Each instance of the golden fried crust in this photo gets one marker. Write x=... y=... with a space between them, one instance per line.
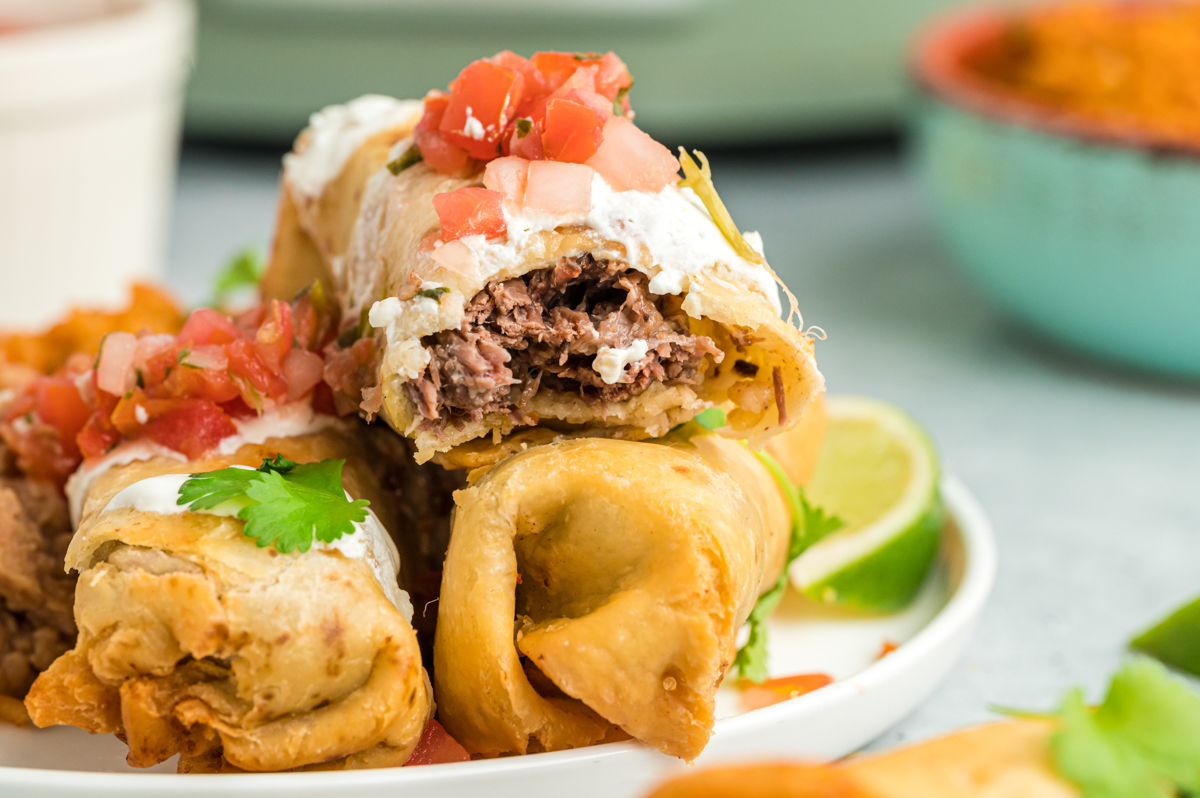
x=193 y=638
x=310 y=232
x=1000 y=760
x=629 y=568
x=797 y=449
x=777 y=780
x=295 y=262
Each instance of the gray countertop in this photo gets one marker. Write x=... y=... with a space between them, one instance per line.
x=1088 y=473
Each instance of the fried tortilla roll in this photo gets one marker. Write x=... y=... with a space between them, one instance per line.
x=195 y=640
x=634 y=313
x=598 y=585
x=532 y=257
x=322 y=186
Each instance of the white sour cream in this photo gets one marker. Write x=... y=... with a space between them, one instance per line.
x=369 y=541
x=335 y=132
x=610 y=363
x=283 y=421
x=672 y=225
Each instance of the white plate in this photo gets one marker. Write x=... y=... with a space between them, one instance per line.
x=870 y=696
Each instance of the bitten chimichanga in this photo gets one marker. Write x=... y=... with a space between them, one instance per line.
x=515 y=277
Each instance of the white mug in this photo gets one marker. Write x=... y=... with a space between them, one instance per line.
x=90 y=105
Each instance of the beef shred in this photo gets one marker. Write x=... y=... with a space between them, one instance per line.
x=543 y=329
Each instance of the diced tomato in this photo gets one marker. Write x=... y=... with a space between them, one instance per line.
x=482 y=103
x=97 y=436
x=507 y=175
x=557 y=67
x=774 y=691
x=257 y=381
x=237 y=408
x=572 y=132
x=207 y=326
x=581 y=88
x=613 y=76
x=39 y=450
x=559 y=188
x=114 y=373
x=202 y=383
x=158 y=366
x=302 y=370
x=440 y=153
x=527 y=145
x=60 y=405
x=470 y=211
x=436 y=747
x=193 y=427
x=535 y=84
x=312 y=320
x=273 y=340
x=629 y=160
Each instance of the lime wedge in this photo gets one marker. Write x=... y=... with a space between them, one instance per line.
x=1175 y=641
x=878 y=473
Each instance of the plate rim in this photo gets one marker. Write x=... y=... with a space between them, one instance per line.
x=961 y=610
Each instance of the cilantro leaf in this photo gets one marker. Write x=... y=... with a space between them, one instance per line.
x=306 y=502
x=809 y=524
x=712 y=418
x=282 y=465
x=434 y=293
x=1143 y=741
x=287 y=505
x=1175 y=640
x=205 y=491
x=409 y=157
x=244 y=270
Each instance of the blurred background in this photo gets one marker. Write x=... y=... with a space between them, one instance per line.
x=1020 y=276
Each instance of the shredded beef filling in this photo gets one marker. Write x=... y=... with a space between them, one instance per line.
x=544 y=329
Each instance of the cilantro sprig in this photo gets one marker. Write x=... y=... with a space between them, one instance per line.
x=1143 y=741
x=243 y=271
x=285 y=504
x=809 y=525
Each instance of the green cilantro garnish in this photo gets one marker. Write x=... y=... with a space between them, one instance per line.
x=179 y=359
x=1142 y=742
x=141 y=380
x=244 y=270
x=809 y=524
x=1175 y=640
x=712 y=418
x=587 y=56
x=434 y=293
x=360 y=330
x=618 y=109
x=524 y=125
x=286 y=504
x=409 y=157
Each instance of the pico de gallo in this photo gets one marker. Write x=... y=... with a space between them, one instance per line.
x=185 y=391
x=544 y=127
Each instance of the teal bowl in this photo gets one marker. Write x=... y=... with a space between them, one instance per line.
x=1088 y=235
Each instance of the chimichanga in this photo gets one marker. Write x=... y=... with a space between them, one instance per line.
x=195 y=640
x=322 y=185
x=519 y=271
x=595 y=587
